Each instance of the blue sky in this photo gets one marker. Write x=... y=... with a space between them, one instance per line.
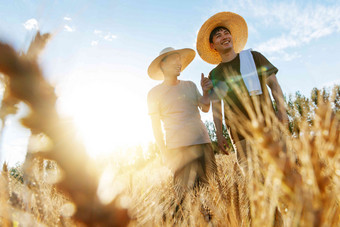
x=100 y=51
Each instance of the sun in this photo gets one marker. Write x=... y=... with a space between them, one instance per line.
x=109 y=111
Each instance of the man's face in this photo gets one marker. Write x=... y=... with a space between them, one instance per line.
x=172 y=65
x=222 y=41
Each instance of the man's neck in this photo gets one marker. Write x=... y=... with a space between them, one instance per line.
x=228 y=55
x=170 y=80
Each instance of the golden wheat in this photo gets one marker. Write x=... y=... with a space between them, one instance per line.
x=291 y=177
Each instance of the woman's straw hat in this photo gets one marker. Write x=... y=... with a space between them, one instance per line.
x=233 y=22
x=154 y=70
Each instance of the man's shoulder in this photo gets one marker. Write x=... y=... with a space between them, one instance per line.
x=188 y=85
x=187 y=82
x=258 y=56
x=215 y=71
x=261 y=60
x=256 y=53
x=155 y=90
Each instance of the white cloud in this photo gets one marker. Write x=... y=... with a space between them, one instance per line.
x=109 y=37
x=331 y=83
x=277 y=44
x=284 y=56
x=67 y=18
x=94 y=43
x=68 y=28
x=298 y=23
x=105 y=35
x=31 y=24
x=291 y=57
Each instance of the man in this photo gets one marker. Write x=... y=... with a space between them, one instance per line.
x=187 y=148
x=220 y=41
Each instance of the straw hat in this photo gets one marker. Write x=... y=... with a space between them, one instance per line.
x=187 y=55
x=237 y=27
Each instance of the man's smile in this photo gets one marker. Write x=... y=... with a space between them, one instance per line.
x=227 y=41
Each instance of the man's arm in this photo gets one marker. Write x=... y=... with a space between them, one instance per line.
x=158 y=134
x=217 y=116
x=205 y=100
x=278 y=97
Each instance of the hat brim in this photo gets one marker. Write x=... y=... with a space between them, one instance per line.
x=154 y=70
x=237 y=27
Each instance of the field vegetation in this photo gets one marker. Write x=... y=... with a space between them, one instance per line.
x=293 y=176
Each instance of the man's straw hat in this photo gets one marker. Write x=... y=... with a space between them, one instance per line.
x=154 y=70
x=233 y=22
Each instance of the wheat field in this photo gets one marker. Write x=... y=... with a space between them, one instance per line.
x=292 y=176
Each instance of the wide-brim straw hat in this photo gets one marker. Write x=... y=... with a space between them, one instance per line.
x=233 y=22
x=154 y=70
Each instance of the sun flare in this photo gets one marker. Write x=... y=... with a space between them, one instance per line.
x=109 y=113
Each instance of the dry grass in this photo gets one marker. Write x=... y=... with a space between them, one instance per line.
x=294 y=172
x=79 y=181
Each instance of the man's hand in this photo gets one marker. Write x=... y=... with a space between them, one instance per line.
x=223 y=144
x=206 y=84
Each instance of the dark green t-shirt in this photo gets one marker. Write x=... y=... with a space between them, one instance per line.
x=227 y=75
